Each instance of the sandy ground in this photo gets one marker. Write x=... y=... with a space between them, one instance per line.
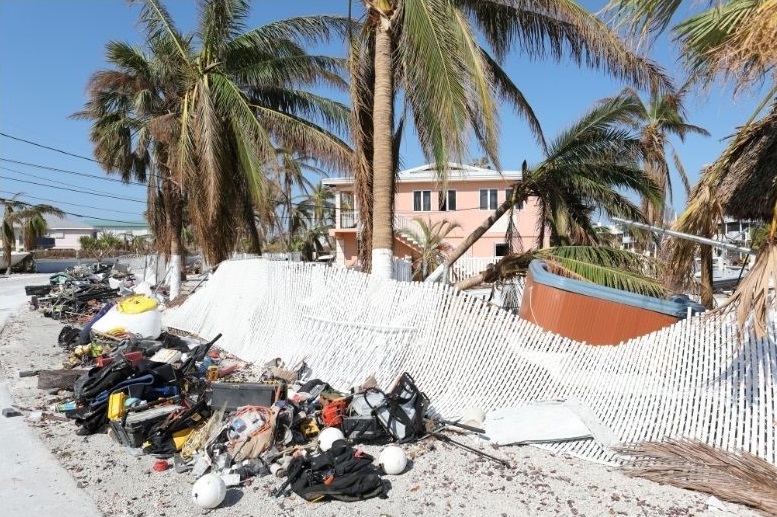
x=442 y=479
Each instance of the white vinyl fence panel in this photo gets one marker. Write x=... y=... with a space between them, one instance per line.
x=693 y=379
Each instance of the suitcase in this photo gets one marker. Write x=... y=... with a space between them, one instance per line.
x=231 y=395
x=361 y=428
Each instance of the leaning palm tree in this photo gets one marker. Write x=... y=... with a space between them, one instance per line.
x=588 y=168
x=734 y=40
x=17 y=212
x=602 y=265
x=429 y=50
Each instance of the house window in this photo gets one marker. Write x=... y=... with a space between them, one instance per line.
x=422 y=200
x=488 y=199
x=500 y=249
x=509 y=194
x=448 y=201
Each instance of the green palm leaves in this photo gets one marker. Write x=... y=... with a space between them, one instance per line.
x=429 y=238
x=207 y=110
x=587 y=169
x=29 y=218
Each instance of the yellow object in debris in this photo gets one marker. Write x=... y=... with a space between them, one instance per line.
x=116 y=405
x=309 y=428
x=136 y=304
x=180 y=437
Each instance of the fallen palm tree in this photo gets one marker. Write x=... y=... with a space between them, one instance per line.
x=619 y=269
x=738 y=477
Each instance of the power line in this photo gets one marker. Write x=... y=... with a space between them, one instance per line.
x=36 y=144
x=102 y=178
x=92 y=217
x=7 y=192
x=74 y=190
x=84 y=190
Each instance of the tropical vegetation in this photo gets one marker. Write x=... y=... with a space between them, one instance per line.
x=429 y=238
x=734 y=41
x=199 y=114
x=30 y=219
x=428 y=50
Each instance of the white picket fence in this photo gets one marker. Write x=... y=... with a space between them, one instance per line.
x=695 y=379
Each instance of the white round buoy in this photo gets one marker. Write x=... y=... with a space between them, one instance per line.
x=393 y=460
x=328 y=436
x=209 y=491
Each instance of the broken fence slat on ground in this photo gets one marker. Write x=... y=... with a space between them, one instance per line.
x=691 y=380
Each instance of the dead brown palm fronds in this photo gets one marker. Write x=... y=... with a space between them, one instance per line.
x=752 y=297
x=701 y=217
x=738 y=477
x=736 y=40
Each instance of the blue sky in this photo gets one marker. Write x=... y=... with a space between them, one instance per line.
x=49 y=49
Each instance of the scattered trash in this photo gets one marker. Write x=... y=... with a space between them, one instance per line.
x=392 y=460
x=161 y=465
x=209 y=491
x=10 y=412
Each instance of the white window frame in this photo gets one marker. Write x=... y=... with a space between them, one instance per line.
x=491 y=199
x=445 y=206
x=424 y=201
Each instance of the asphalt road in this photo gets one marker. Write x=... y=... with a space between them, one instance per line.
x=32 y=482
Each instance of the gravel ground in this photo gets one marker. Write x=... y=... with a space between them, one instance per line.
x=441 y=480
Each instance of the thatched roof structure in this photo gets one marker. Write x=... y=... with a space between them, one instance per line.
x=747 y=179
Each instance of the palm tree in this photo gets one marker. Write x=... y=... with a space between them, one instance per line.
x=213 y=106
x=430 y=239
x=131 y=106
x=17 y=212
x=288 y=171
x=663 y=116
x=429 y=50
x=321 y=201
x=587 y=169
x=242 y=96
x=33 y=227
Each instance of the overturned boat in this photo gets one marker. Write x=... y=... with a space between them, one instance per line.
x=595 y=314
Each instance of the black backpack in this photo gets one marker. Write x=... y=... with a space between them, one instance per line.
x=68 y=337
x=100 y=379
x=341 y=473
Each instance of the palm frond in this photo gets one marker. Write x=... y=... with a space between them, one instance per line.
x=735 y=476
x=562 y=29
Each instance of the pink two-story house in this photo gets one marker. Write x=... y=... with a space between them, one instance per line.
x=470 y=196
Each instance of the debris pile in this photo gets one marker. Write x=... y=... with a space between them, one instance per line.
x=193 y=407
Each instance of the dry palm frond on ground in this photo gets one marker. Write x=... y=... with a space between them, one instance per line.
x=737 y=477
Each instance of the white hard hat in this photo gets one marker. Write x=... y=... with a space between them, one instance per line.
x=209 y=491
x=328 y=436
x=393 y=460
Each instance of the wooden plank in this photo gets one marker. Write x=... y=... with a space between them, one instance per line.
x=58 y=379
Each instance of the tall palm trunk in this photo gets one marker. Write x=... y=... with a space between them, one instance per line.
x=705 y=253
x=253 y=230
x=289 y=212
x=382 y=156
x=174 y=221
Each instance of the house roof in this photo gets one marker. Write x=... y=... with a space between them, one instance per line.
x=456 y=172
x=118 y=224
x=61 y=223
